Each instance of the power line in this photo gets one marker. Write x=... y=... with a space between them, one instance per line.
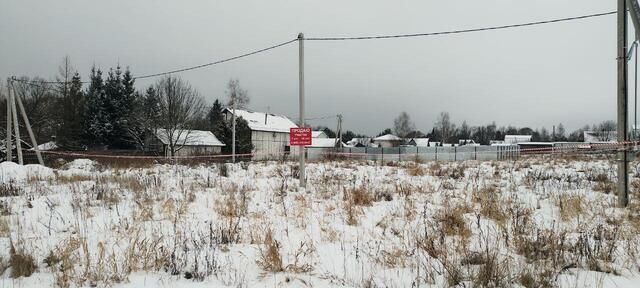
x=217 y=62
x=461 y=31
x=181 y=69
x=350 y=38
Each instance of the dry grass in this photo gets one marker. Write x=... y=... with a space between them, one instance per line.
x=571 y=206
x=452 y=221
x=5 y=229
x=9 y=190
x=270 y=259
x=491 y=204
x=22 y=264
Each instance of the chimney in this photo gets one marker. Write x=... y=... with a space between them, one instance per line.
x=265 y=118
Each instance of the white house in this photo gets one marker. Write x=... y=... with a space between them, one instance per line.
x=325 y=143
x=388 y=140
x=319 y=134
x=269 y=132
x=359 y=142
x=187 y=143
x=515 y=139
x=419 y=142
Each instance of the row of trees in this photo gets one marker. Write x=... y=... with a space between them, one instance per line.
x=109 y=113
x=445 y=130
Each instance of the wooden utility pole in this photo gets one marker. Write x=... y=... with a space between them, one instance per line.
x=622 y=157
x=301 y=102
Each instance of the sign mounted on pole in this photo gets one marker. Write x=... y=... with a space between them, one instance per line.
x=300 y=136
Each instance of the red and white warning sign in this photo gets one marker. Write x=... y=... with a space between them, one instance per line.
x=299 y=136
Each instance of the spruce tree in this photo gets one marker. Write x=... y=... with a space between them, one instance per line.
x=97 y=123
x=71 y=131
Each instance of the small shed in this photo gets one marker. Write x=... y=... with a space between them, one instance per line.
x=388 y=140
x=188 y=143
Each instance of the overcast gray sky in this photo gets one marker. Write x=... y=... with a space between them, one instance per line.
x=534 y=76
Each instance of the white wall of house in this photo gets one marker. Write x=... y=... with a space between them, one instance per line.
x=387 y=144
x=195 y=150
x=269 y=144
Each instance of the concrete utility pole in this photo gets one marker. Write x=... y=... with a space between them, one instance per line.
x=301 y=100
x=34 y=143
x=233 y=128
x=623 y=165
x=9 y=117
x=14 y=115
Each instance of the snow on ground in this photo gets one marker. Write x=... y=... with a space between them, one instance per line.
x=535 y=222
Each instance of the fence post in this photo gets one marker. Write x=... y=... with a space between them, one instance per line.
x=436 y=153
x=455 y=153
x=475 y=152
x=399 y=154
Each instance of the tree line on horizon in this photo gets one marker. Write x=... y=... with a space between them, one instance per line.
x=107 y=112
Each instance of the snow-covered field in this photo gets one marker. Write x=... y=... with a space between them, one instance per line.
x=536 y=222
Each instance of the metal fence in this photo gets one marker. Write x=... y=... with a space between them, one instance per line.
x=460 y=153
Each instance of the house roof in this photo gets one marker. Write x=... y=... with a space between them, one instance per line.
x=387 y=137
x=316 y=134
x=421 y=142
x=324 y=142
x=513 y=139
x=256 y=121
x=190 y=138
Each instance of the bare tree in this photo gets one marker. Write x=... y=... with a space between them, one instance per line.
x=605 y=130
x=444 y=127
x=403 y=125
x=178 y=105
x=65 y=75
x=38 y=99
x=237 y=95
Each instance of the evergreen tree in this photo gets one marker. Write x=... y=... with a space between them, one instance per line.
x=98 y=124
x=71 y=130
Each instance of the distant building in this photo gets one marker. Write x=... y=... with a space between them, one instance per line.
x=515 y=139
x=269 y=132
x=326 y=143
x=419 y=142
x=600 y=136
x=186 y=143
x=319 y=134
x=359 y=142
x=386 y=141
x=467 y=142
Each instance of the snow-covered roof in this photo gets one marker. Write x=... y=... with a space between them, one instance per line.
x=514 y=139
x=256 y=121
x=324 y=142
x=190 y=138
x=51 y=145
x=420 y=142
x=387 y=137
